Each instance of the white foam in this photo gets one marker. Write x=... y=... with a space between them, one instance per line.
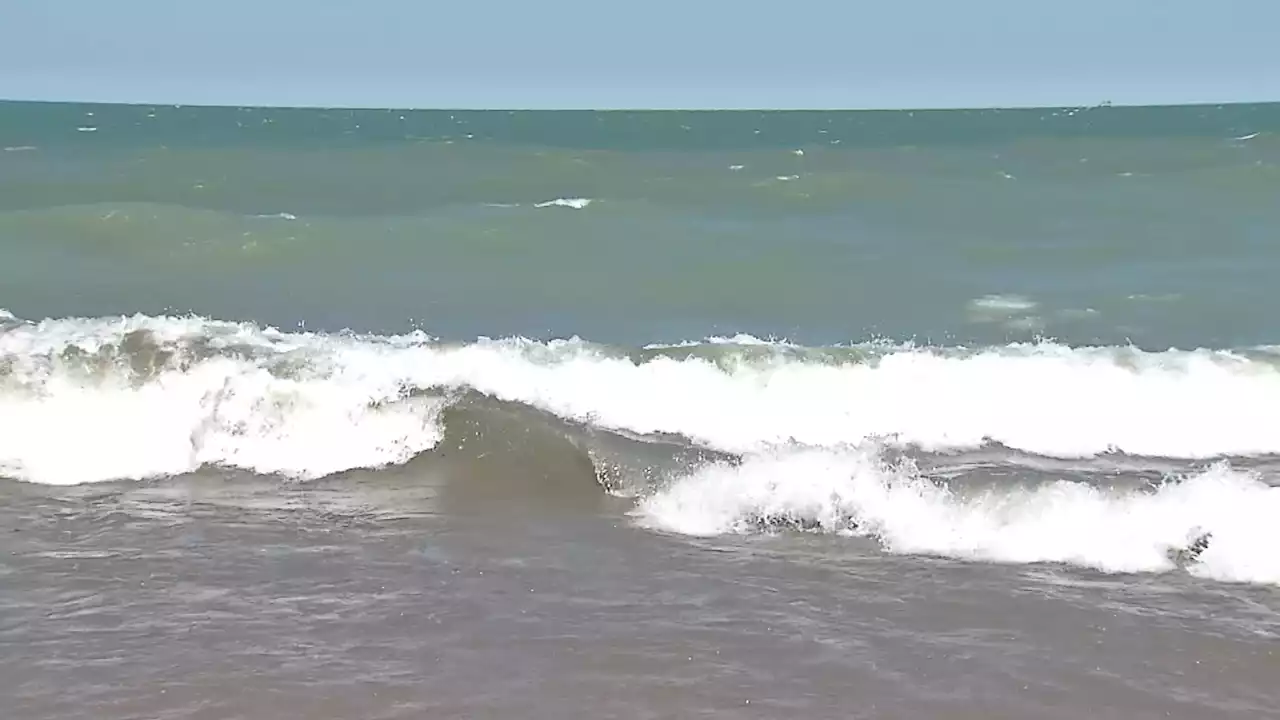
x=743 y=339
x=338 y=408
x=1064 y=522
x=1044 y=399
x=61 y=425
x=1001 y=304
x=572 y=203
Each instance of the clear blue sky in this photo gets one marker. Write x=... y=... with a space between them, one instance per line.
x=641 y=53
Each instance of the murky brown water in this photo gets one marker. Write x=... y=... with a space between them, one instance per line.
x=423 y=593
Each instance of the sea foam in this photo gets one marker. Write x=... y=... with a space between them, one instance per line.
x=571 y=203
x=74 y=406
x=854 y=492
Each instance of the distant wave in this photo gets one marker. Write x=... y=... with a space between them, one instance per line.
x=1002 y=304
x=572 y=203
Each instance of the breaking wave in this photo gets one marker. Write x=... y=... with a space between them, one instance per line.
x=1113 y=530
x=571 y=203
x=798 y=437
x=98 y=399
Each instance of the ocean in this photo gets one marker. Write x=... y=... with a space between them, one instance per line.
x=331 y=414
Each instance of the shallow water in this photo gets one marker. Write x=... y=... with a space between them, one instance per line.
x=413 y=596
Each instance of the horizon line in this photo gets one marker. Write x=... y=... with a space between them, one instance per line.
x=638 y=109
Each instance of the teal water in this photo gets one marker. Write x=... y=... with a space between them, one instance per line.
x=1090 y=225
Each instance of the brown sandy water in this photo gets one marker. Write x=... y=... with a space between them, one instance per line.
x=498 y=580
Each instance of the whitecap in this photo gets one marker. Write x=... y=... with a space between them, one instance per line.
x=571 y=203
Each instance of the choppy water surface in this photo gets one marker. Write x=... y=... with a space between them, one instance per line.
x=338 y=414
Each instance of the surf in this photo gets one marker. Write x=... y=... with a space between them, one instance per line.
x=144 y=396
x=1217 y=522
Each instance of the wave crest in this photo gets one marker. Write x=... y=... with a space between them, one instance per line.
x=96 y=399
x=1113 y=530
x=84 y=401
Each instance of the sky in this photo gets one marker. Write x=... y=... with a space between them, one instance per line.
x=641 y=54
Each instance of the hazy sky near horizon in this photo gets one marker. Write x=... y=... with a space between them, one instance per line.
x=658 y=53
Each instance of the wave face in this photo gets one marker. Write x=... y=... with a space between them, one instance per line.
x=798 y=436
x=144 y=396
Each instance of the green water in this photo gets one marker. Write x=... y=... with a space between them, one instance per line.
x=1104 y=225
